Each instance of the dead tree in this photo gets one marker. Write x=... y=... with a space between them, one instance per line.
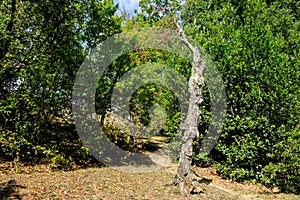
x=185 y=178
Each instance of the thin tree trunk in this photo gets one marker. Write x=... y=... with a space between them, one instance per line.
x=185 y=178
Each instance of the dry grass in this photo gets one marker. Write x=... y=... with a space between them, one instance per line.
x=39 y=182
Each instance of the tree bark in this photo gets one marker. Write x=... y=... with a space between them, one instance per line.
x=185 y=178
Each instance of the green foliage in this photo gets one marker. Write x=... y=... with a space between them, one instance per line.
x=43 y=45
x=145 y=97
x=285 y=172
x=120 y=138
x=255 y=45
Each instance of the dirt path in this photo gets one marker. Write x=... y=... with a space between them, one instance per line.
x=105 y=183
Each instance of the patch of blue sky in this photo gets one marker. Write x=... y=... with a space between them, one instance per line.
x=128 y=6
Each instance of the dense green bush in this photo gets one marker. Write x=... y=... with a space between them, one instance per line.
x=256 y=47
x=286 y=171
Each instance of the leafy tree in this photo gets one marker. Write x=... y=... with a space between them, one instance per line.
x=43 y=45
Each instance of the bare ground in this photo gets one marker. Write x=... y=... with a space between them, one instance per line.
x=39 y=182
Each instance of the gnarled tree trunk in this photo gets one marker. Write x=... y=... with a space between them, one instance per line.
x=185 y=178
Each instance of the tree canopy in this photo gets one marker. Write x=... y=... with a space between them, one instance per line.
x=43 y=43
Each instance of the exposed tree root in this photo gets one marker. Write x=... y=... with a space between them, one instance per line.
x=188 y=184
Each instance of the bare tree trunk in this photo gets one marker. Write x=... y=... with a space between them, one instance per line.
x=185 y=178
